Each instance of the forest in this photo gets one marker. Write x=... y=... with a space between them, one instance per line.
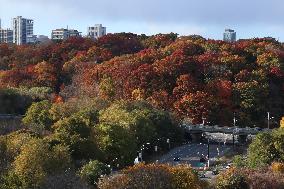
x=188 y=76
x=90 y=106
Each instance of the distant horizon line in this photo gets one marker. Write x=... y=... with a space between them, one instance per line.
x=138 y=33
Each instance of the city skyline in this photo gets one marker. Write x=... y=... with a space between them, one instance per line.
x=182 y=17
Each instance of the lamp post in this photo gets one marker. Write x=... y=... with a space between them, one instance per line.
x=208 y=151
x=141 y=153
x=115 y=163
x=268 y=118
x=203 y=121
x=218 y=152
x=168 y=141
x=234 y=120
x=157 y=143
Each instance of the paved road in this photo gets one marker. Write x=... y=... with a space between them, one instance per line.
x=191 y=153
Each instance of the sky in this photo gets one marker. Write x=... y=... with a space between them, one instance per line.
x=209 y=18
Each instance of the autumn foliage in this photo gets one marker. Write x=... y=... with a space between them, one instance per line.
x=250 y=178
x=190 y=76
x=101 y=101
x=154 y=176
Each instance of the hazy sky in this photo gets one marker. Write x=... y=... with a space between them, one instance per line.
x=209 y=18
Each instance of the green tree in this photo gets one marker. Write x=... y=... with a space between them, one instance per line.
x=117 y=143
x=92 y=171
x=76 y=132
x=37 y=160
x=239 y=161
x=249 y=98
x=10 y=148
x=134 y=119
x=266 y=148
x=35 y=93
x=145 y=122
x=38 y=114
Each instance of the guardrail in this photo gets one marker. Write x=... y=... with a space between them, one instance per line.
x=227 y=130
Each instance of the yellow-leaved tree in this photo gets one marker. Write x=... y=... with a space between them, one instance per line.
x=282 y=122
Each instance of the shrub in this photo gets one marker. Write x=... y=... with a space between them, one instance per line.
x=264 y=179
x=184 y=178
x=149 y=176
x=277 y=167
x=120 y=181
x=153 y=176
x=232 y=179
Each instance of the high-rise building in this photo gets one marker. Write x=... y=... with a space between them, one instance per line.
x=22 y=30
x=62 y=34
x=59 y=34
x=6 y=36
x=96 y=31
x=229 y=35
x=74 y=33
x=31 y=39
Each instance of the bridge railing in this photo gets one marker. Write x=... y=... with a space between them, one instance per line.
x=225 y=129
x=4 y=116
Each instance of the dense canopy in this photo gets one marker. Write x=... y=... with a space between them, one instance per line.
x=189 y=76
x=91 y=106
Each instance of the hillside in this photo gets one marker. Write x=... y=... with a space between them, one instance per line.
x=190 y=76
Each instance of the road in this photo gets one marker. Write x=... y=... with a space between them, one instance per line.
x=191 y=153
